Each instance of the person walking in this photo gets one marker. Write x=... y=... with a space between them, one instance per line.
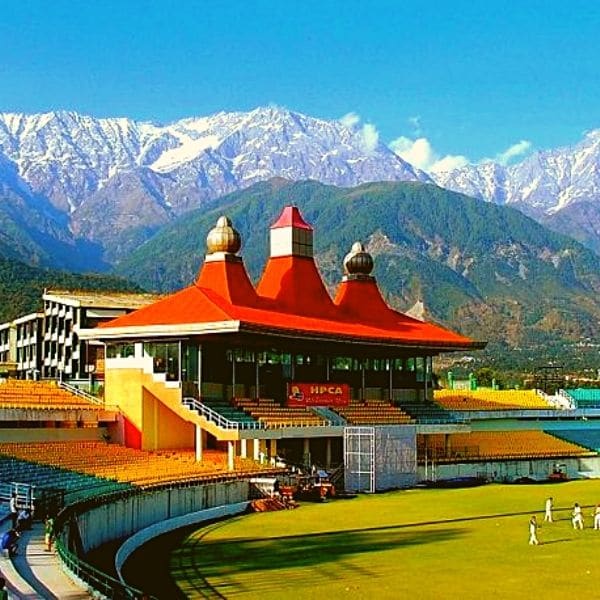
x=596 y=515
x=533 y=527
x=14 y=510
x=548 y=513
x=577 y=519
x=49 y=533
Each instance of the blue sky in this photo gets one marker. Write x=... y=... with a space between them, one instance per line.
x=469 y=78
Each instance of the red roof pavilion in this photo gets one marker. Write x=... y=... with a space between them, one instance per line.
x=289 y=300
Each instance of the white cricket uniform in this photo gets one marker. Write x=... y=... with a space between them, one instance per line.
x=577 y=518
x=548 y=515
x=533 y=541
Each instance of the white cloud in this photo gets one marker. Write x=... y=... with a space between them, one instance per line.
x=449 y=163
x=350 y=120
x=513 y=151
x=370 y=137
x=420 y=154
x=368 y=132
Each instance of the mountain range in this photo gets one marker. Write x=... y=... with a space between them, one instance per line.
x=559 y=188
x=115 y=182
x=486 y=270
x=138 y=198
x=83 y=192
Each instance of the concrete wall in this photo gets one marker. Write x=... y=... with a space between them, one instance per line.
x=144 y=402
x=124 y=517
x=543 y=424
x=162 y=428
x=145 y=535
x=508 y=470
x=51 y=434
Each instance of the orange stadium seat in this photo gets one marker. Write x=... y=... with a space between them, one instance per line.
x=15 y=393
x=119 y=463
x=485 y=399
x=496 y=445
x=272 y=414
x=373 y=412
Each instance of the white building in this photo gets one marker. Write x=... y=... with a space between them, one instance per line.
x=46 y=344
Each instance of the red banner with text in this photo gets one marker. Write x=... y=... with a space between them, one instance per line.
x=318 y=394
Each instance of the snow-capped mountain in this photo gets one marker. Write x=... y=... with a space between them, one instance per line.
x=119 y=180
x=68 y=157
x=559 y=187
x=543 y=184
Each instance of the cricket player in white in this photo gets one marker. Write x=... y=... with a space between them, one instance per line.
x=596 y=515
x=577 y=519
x=533 y=526
x=548 y=514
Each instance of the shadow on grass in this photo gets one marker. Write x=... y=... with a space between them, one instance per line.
x=201 y=561
x=555 y=542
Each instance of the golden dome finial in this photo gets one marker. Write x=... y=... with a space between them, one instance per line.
x=223 y=238
x=358 y=261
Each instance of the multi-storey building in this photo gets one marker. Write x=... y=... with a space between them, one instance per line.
x=46 y=344
x=7 y=345
x=28 y=332
x=65 y=313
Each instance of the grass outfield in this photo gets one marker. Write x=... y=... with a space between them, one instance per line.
x=464 y=543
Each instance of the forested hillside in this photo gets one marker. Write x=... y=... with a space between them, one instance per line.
x=486 y=270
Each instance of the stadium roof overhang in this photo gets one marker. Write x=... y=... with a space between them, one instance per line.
x=290 y=305
x=252 y=335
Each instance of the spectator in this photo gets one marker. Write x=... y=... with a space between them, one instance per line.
x=548 y=515
x=3 y=592
x=9 y=541
x=24 y=520
x=49 y=533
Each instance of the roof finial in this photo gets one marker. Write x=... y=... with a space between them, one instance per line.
x=223 y=238
x=358 y=261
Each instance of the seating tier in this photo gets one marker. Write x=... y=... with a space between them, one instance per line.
x=585 y=397
x=272 y=414
x=496 y=445
x=373 y=412
x=118 y=463
x=491 y=400
x=15 y=393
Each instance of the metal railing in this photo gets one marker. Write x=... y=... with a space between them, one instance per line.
x=96 y=579
x=567 y=398
x=99 y=581
x=77 y=392
x=217 y=418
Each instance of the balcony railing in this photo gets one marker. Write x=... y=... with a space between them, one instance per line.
x=217 y=418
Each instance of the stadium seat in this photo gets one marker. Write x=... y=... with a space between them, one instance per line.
x=120 y=464
x=496 y=445
x=486 y=399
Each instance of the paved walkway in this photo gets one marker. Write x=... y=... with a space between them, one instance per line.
x=35 y=573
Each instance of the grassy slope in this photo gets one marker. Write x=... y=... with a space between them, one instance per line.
x=380 y=547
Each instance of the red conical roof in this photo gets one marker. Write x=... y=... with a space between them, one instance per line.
x=229 y=279
x=291 y=217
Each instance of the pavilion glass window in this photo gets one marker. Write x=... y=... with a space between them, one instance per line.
x=121 y=350
x=165 y=358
